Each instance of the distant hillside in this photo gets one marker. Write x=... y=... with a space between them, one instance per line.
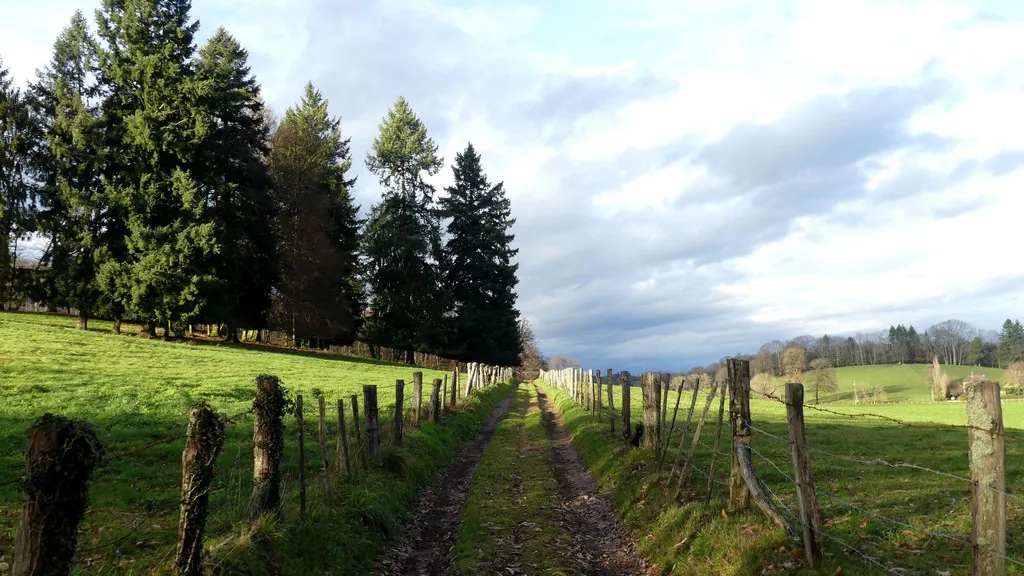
x=901 y=382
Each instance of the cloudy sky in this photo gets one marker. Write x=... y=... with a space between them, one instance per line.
x=690 y=178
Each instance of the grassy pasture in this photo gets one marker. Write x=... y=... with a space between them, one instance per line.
x=902 y=382
x=899 y=517
x=136 y=393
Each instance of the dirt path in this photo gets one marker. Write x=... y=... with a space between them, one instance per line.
x=425 y=547
x=599 y=546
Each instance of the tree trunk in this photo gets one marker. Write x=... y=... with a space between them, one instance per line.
x=83 y=320
x=410 y=356
x=230 y=334
x=117 y=324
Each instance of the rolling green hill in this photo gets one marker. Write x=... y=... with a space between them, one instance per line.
x=902 y=382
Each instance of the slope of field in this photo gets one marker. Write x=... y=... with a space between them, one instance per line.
x=136 y=393
x=901 y=382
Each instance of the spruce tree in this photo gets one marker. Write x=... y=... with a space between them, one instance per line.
x=19 y=140
x=480 y=276
x=319 y=294
x=154 y=113
x=402 y=242
x=72 y=201
x=231 y=169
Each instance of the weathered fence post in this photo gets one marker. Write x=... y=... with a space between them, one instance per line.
x=343 y=440
x=372 y=422
x=651 y=387
x=684 y=475
x=739 y=418
x=322 y=435
x=988 y=476
x=62 y=455
x=625 y=380
x=399 y=410
x=672 y=428
x=300 y=432
x=718 y=442
x=417 y=397
x=666 y=382
x=444 y=391
x=810 y=515
x=455 y=387
x=355 y=424
x=204 y=439
x=686 y=429
x=598 y=390
x=267 y=446
x=611 y=401
x=435 y=401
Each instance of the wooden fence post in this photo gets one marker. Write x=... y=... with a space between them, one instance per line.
x=686 y=429
x=417 y=397
x=651 y=387
x=62 y=455
x=598 y=390
x=739 y=417
x=435 y=401
x=355 y=424
x=322 y=434
x=455 y=387
x=343 y=440
x=300 y=431
x=625 y=380
x=444 y=391
x=810 y=515
x=718 y=442
x=372 y=422
x=988 y=475
x=684 y=475
x=399 y=410
x=672 y=427
x=204 y=440
x=267 y=446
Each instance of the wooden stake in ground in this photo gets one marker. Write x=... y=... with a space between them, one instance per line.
x=322 y=435
x=435 y=401
x=739 y=418
x=444 y=391
x=598 y=408
x=652 y=410
x=686 y=429
x=302 y=457
x=267 y=446
x=62 y=455
x=455 y=388
x=625 y=380
x=718 y=442
x=355 y=425
x=611 y=401
x=988 y=475
x=372 y=422
x=672 y=427
x=684 y=476
x=343 y=461
x=399 y=410
x=204 y=440
x=810 y=515
x=417 y=397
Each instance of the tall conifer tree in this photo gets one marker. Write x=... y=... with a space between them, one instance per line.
x=402 y=243
x=480 y=276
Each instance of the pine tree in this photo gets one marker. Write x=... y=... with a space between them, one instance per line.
x=1011 y=343
x=479 y=273
x=231 y=169
x=402 y=243
x=319 y=294
x=73 y=201
x=155 y=118
x=19 y=139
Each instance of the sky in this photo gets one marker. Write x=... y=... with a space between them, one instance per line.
x=690 y=179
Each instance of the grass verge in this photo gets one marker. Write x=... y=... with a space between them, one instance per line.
x=508 y=519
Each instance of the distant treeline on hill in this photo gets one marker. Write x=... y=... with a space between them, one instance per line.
x=169 y=194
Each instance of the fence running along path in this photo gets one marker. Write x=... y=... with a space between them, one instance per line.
x=65 y=456
x=802 y=515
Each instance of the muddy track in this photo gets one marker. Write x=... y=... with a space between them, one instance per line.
x=426 y=544
x=599 y=545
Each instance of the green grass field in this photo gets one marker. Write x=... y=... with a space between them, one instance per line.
x=902 y=382
x=136 y=393
x=899 y=517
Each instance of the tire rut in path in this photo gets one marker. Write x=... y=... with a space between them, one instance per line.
x=600 y=546
x=426 y=543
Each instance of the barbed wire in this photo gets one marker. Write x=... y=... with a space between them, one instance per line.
x=919 y=426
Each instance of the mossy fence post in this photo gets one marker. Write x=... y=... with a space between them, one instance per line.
x=435 y=401
x=355 y=426
x=598 y=407
x=62 y=455
x=417 y=397
x=399 y=410
x=372 y=420
x=625 y=380
x=651 y=382
x=300 y=436
x=204 y=440
x=343 y=461
x=988 y=478
x=739 y=418
x=807 y=499
x=267 y=446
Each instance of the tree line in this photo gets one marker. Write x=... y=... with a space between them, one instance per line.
x=169 y=193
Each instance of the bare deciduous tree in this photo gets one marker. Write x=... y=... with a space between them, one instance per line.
x=794 y=360
x=821 y=378
x=764 y=384
x=558 y=362
x=952 y=339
